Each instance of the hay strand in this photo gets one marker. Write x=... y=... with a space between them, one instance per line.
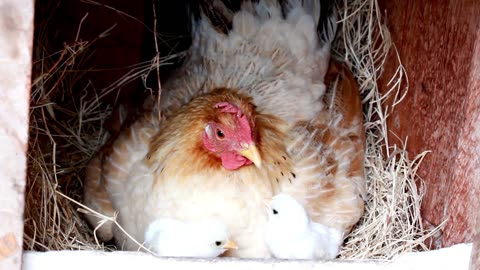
x=392 y=224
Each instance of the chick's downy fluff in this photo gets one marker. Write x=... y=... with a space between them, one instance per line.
x=290 y=234
x=263 y=84
x=201 y=239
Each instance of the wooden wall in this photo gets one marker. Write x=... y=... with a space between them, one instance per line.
x=72 y=21
x=130 y=40
x=439 y=42
x=16 y=35
x=475 y=256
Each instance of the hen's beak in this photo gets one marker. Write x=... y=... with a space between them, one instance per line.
x=230 y=245
x=251 y=152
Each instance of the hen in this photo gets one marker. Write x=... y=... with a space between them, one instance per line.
x=246 y=117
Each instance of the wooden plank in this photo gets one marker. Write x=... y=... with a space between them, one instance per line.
x=16 y=34
x=475 y=257
x=438 y=42
x=456 y=257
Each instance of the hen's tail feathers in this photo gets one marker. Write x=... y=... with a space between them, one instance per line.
x=220 y=13
x=324 y=12
x=327 y=21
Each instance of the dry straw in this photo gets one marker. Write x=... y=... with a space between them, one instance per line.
x=66 y=130
x=392 y=223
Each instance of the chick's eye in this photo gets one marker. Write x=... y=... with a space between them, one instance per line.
x=274 y=211
x=218 y=243
x=220 y=134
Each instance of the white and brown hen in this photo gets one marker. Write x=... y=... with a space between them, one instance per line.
x=246 y=117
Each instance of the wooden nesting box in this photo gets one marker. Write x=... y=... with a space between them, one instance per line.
x=438 y=41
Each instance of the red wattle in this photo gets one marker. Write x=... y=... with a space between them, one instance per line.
x=232 y=161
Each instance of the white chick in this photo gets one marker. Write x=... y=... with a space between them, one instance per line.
x=174 y=238
x=291 y=235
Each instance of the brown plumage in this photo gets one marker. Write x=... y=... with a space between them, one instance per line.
x=251 y=90
x=332 y=147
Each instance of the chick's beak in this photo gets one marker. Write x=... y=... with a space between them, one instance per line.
x=230 y=245
x=251 y=152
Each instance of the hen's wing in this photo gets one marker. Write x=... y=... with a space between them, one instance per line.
x=96 y=198
x=95 y=194
x=107 y=172
x=328 y=156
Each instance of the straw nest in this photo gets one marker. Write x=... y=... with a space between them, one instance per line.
x=66 y=129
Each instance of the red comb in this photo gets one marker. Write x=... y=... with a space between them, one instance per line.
x=227 y=107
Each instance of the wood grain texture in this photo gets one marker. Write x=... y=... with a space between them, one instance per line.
x=475 y=138
x=16 y=35
x=438 y=42
x=475 y=257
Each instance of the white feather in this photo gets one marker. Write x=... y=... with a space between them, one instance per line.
x=291 y=235
x=175 y=238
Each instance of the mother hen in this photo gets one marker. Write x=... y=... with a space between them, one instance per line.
x=246 y=117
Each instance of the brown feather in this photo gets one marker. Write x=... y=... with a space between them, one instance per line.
x=329 y=154
x=96 y=197
x=179 y=141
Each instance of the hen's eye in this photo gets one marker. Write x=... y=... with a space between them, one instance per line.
x=218 y=243
x=274 y=211
x=220 y=134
